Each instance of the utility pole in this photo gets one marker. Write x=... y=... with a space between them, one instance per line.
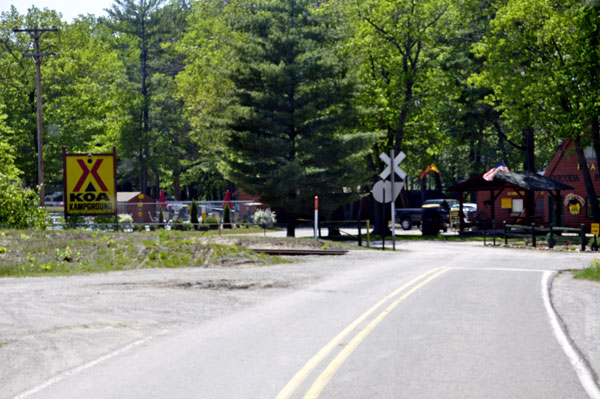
x=36 y=33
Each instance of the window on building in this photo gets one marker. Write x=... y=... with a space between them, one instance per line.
x=517 y=205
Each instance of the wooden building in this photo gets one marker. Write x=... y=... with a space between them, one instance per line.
x=565 y=168
x=564 y=201
x=141 y=207
x=513 y=197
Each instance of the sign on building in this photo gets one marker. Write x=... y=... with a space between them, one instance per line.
x=90 y=184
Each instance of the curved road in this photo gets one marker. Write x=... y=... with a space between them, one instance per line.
x=435 y=321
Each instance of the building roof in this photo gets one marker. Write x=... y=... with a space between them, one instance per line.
x=126 y=196
x=520 y=180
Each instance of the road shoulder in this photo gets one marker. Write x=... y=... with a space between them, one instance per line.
x=578 y=304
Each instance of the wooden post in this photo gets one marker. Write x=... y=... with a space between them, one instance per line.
x=533 y=243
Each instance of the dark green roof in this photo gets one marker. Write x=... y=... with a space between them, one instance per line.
x=523 y=180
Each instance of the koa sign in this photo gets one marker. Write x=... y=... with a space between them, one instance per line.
x=90 y=184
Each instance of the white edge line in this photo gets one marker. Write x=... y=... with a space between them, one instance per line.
x=501 y=269
x=79 y=369
x=579 y=365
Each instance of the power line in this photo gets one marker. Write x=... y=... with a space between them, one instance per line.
x=36 y=33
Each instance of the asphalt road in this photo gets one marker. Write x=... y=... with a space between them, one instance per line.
x=435 y=321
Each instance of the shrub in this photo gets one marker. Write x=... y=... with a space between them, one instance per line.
x=245 y=223
x=20 y=206
x=161 y=217
x=202 y=227
x=265 y=217
x=74 y=221
x=213 y=223
x=177 y=224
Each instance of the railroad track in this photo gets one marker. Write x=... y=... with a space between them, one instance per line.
x=300 y=252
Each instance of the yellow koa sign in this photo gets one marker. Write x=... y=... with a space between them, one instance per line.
x=90 y=184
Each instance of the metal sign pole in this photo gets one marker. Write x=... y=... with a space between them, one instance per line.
x=316 y=232
x=384 y=219
x=393 y=156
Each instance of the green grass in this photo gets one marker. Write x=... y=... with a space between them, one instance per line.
x=590 y=273
x=66 y=252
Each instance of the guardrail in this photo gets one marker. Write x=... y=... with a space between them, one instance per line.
x=552 y=235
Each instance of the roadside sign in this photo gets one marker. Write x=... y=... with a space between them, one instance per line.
x=388 y=161
x=382 y=191
x=506 y=203
x=90 y=184
x=596 y=229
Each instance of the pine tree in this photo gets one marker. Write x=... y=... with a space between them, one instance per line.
x=194 y=214
x=291 y=124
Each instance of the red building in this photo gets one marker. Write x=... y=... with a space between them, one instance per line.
x=141 y=207
x=565 y=169
x=510 y=201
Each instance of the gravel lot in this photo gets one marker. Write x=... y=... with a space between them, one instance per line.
x=50 y=325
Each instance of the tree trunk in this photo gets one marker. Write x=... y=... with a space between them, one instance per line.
x=529 y=166
x=380 y=213
x=587 y=180
x=177 y=183
x=291 y=225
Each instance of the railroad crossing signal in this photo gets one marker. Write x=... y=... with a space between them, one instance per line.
x=397 y=169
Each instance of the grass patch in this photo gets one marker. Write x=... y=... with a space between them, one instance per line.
x=66 y=252
x=589 y=273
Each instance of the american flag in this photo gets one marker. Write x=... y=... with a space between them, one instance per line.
x=490 y=174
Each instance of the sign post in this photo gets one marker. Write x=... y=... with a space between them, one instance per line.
x=90 y=184
x=595 y=231
x=316 y=217
x=379 y=190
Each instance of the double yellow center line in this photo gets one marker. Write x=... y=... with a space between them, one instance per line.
x=324 y=378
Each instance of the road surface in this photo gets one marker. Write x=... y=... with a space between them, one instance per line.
x=435 y=320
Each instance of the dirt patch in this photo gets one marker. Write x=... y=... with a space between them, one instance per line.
x=233 y=285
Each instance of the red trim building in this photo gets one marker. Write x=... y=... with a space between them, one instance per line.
x=573 y=208
x=565 y=168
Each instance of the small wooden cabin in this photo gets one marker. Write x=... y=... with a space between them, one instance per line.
x=140 y=206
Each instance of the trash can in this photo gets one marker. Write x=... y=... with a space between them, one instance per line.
x=431 y=222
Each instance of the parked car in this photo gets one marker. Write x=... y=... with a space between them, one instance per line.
x=409 y=217
x=469 y=211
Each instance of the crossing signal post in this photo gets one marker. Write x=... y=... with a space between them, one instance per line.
x=384 y=191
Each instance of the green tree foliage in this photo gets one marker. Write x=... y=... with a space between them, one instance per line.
x=205 y=88
x=400 y=43
x=19 y=207
x=292 y=120
x=84 y=109
x=139 y=20
x=537 y=65
x=7 y=157
x=18 y=83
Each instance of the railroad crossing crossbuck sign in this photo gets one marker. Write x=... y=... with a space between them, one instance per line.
x=382 y=190
x=89 y=184
x=397 y=169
